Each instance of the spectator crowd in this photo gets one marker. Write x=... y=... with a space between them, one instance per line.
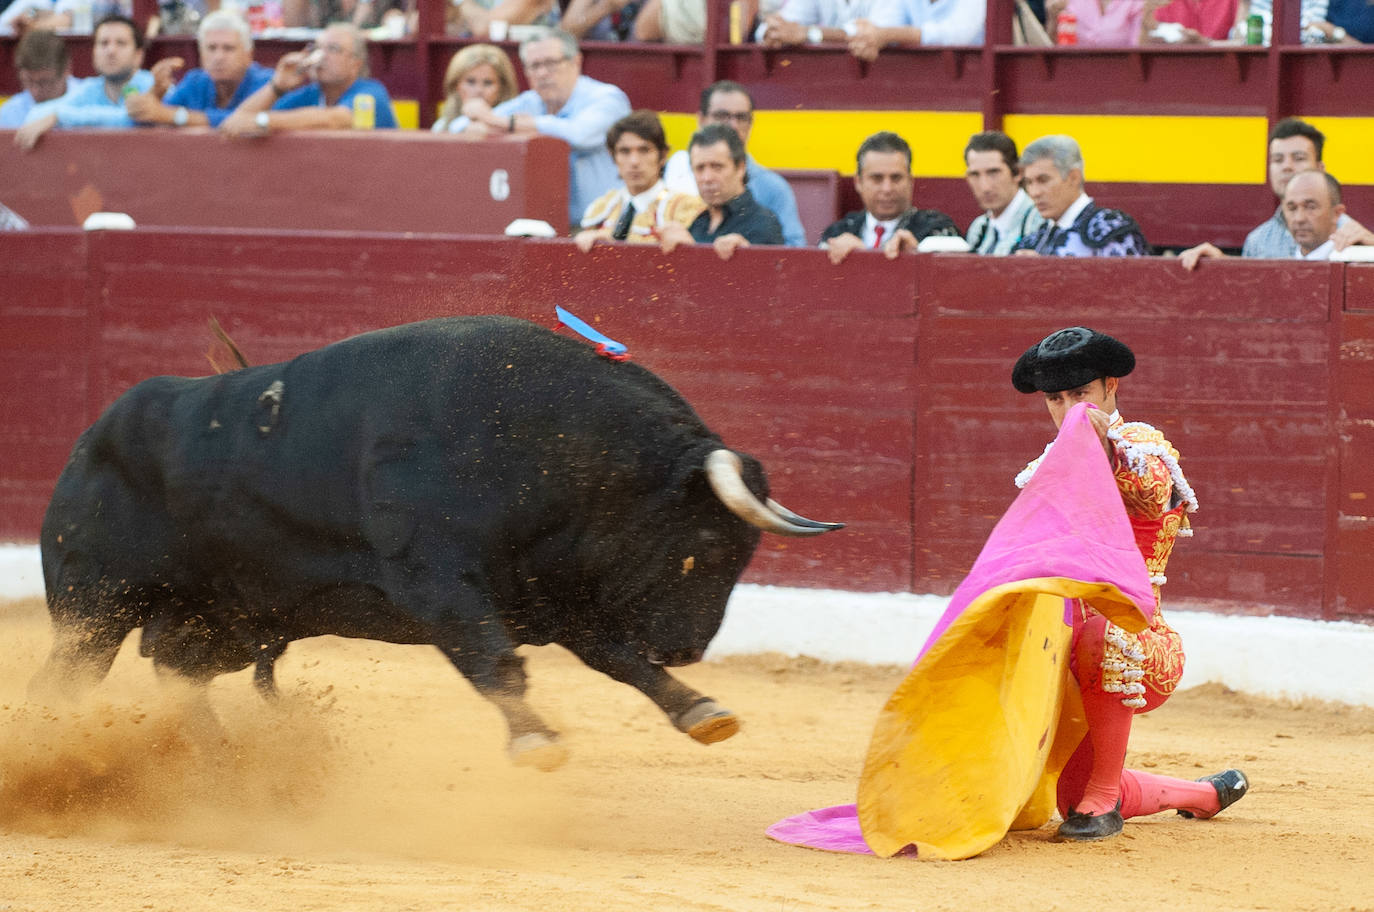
x=625 y=184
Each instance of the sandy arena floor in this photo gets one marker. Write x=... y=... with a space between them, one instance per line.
x=381 y=784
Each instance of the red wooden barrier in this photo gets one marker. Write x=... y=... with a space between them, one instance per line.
x=382 y=181
x=1350 y=585
x=898 y=418
x=409 y=181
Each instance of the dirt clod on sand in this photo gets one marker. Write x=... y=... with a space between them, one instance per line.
x=380 y=783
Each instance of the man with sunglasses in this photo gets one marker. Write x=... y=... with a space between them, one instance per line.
x=560 y=102
x=730 y=103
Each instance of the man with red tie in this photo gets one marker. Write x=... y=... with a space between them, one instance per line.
x=883 y=181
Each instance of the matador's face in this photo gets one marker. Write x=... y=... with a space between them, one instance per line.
x=1101 y=393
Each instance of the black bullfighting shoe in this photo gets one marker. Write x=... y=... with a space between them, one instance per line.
x=1231 y=786
x=1090 y=828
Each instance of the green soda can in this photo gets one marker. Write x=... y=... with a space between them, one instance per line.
x=1254 y=29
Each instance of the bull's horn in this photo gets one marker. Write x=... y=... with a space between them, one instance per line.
x=723 y=472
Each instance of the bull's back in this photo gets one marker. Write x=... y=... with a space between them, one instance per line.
x=284 y=463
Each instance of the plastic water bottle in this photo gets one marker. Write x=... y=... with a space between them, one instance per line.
x=83 y=17
x=1067 y=33
x=364 y=111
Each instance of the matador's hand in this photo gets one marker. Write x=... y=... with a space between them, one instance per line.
x=1101 y=422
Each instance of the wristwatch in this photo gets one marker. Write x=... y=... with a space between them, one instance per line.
x=1337 y=35
x=263 y=121
x=814 y=35
x=179 y=117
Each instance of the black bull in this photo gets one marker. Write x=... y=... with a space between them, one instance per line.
x=472 y=483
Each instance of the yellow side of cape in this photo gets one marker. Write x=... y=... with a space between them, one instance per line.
x=972 y=742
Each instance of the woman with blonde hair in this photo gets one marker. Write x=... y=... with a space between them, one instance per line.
x=477 y=71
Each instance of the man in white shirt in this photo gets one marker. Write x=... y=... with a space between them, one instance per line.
x=799 y=22
x=994 y=178
x=918 y=23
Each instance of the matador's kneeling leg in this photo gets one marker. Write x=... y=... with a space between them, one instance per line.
x=1090 y=785
x=1096 y=792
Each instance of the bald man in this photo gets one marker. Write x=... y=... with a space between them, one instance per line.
x=1313 y=213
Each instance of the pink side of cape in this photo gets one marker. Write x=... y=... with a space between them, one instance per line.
x=1067 y=522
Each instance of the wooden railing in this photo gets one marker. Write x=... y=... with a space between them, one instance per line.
x=876 y=392
x=995 y=79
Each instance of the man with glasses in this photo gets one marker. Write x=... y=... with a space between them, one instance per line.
x=45 y=72
x=315 y=89
x=730 y=103
x=564 y=103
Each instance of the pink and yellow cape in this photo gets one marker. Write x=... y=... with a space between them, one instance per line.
x=971 y=743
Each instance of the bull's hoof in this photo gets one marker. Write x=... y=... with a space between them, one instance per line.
x=708 y=722
x=539 y=750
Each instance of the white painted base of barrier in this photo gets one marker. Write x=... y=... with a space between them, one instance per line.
x=1280 y=657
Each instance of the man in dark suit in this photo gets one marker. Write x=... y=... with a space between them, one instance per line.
x=883 y=179
x=1074 y=226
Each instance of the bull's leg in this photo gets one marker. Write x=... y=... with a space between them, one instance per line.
x=197 y=717
x=81 y=656
x=264 y=671
x=691 y=712
x=499 y=675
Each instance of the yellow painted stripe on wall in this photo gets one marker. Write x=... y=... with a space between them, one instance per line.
x=1349 y=150
x=678 y=128
x=829 y=139
x=1181 y=150
x=1145 y=148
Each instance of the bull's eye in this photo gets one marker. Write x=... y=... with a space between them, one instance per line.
x=688 y=563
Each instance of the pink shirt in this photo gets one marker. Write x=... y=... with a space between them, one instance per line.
x=1117 y=26
x=1212 y=18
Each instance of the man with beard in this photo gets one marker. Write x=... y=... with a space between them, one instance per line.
x=116 y=55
